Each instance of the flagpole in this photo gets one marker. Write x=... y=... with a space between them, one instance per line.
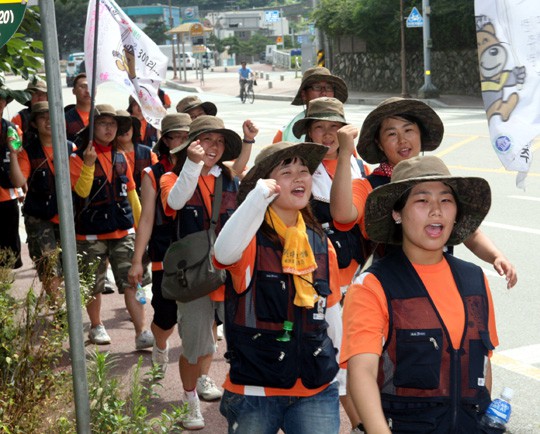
x=93 y=87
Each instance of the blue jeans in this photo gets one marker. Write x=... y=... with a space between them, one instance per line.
x=294 y=415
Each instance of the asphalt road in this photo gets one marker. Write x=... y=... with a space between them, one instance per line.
x=512 y=224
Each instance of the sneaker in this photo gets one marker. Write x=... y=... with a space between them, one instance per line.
x=220 y=332
x=193 y=420
x=207 y=389
x=99 y=336
x=160 y=358
x=144 y=340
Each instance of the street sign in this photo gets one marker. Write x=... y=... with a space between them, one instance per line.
x=196 y=29
x=198 y=49
x=11 y=16
x=271 y=16
x=415 y=18
x=279 y=40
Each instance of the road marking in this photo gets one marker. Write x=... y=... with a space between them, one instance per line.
x=511 y=228
x=518 y=367
x=457 y=146
x=537 y=199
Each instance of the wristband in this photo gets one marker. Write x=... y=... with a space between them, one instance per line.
x=249 y=142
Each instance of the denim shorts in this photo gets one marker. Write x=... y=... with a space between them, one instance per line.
x=296 y=415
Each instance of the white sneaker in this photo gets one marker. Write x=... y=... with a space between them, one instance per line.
x=193 y=420
x=160 y=357
x=220 y=332
x=99 y=336
x=207 y=389
x=144 y=340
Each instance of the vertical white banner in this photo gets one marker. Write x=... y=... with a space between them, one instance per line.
x=126 y=56
x=508 y=37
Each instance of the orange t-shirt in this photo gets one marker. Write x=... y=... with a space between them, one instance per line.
x=345 y=274
x=85 y=116
x=206 y=186
x=130 y=157
x=241 y=274
x=366 y=320
x=75 y=168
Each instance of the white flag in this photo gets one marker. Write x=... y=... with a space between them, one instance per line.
x=126 y=56
x=508 y=35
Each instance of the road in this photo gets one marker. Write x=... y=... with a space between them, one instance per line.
x=512 y=224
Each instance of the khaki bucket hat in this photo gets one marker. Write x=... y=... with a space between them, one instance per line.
x=271 y=155
x=37 y=108
x=320 y=73
x=473 y=196
x=192 y=101
x=320 y=109
x=212 y=124
x=37 y=85
x=430 y=124
x=171 y=122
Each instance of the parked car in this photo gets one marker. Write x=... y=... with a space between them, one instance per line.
x=72 y=68
x=188 y=59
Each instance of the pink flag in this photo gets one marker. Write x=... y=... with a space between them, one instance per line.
x=126 y=56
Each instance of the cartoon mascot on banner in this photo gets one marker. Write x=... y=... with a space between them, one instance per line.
x=494 y=78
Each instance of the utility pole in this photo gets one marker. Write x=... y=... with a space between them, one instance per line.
x=171 y=23
x=404 y=91
x=428 y=90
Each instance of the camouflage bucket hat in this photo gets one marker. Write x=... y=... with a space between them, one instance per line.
x=430 y=124
x=192 y=101
x=473 y=196
x=212 y=124
x=271 y=155
x=319 y=73
x=320 y=109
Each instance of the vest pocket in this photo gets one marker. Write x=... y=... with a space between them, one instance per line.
x=271 y=297
x=258 y=359
x=418 y=358
x=478 y=353
x=318 y=360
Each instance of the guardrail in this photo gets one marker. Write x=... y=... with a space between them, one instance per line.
x=281 y=59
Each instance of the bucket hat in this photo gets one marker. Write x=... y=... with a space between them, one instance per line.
x=128 y=121
x=320 y=73
x=36 y=85
x=431 y=126
x=192 y=101
x=108 y=110
x=211 y=124
x=171 y=122
x=37 y=108
x=473 y=196
x=320 y=109
x=271 y=155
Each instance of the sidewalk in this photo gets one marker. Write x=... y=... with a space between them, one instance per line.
x=280 y=85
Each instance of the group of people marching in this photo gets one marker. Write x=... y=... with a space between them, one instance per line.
x=341 y=284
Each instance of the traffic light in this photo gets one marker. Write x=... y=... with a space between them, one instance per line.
x=320 y=58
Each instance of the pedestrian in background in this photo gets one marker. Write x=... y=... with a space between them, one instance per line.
x=282 y=297
x=156 y=231
x=106 y=210
x=419 y=327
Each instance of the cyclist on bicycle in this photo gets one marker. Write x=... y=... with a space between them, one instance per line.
x=245 y=75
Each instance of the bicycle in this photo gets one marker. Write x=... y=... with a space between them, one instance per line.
x=247 y=94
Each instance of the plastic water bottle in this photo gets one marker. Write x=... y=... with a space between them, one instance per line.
x=287 y=329
x=498 y=412
x=12 y=133
x=140 y=295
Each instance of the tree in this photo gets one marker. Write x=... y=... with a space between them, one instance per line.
x=155 y=30
x=23 y=53
x=70 y=25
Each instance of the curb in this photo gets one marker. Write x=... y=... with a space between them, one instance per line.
x=372 y=101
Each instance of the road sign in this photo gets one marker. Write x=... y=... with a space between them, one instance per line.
x=279 y=40
x=11 y=16
x=271 y=16
x=415 y=18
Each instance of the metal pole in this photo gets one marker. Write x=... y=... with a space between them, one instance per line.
x=404 y=91
x=428 y=90
x=171 y=23
x=65 y=210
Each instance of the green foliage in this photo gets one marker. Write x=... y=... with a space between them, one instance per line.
x=70 y=25
x=31 y=339
x=111 y=412
x=155 y=30
x=378 y=23
x=23 y=53
x=252 y=47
